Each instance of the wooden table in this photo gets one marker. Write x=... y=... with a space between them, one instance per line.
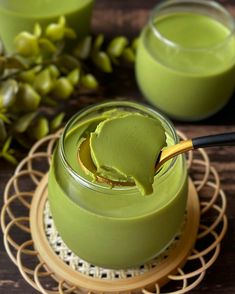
x=127 y=17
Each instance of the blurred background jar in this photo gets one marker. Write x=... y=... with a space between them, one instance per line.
x=186 y=58
x=17 y=16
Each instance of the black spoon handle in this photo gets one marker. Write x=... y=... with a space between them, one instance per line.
x=224 y=139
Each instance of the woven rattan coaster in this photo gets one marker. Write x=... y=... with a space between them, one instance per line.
x=77 y=272
x=50 y=267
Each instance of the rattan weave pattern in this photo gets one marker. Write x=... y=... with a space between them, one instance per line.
x=39 y=276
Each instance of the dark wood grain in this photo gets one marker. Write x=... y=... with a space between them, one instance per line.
x=118 y=17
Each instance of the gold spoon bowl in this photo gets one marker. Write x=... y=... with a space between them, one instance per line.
x=87 y=164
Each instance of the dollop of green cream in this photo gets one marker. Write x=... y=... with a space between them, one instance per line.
x=125 y=148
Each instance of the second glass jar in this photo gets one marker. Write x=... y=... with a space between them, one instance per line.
x=185 y=62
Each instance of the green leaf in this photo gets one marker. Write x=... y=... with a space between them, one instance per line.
x=4 y=118
x=102 y=61
x=47 y=45
x=38 y=59
x=83 y=48
x=48 y=101
x=57 y=121
x=8 y=90
x=39 y=129
x=70 y=33
x=67 y=62
x=27 y=76
x=7 y=144
x=22 y=124
x=62 y=89
x=37 y=30
x=27 y=99
x=55 y=73
x=3 y=132
x=116 y=46
x=2 y=64
x=62 y=20
x=13 y=62
x=43 y=82
x=135 y=43
x=74 y=76
x=128 y=55
x=10 y=158
x=99 y=40
x=89 y=82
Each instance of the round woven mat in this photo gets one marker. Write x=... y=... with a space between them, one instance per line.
x=43 y=270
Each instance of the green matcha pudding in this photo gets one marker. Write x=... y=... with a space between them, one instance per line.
x=125 y=148
x=186 y=58
x=109 y=225
x=20 y=15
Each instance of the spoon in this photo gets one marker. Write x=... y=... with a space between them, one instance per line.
x=87 y=164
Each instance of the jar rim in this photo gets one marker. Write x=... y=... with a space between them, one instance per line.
x=208 y=3
x=112 y=104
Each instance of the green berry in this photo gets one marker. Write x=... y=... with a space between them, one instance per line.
x=27 y=98
x=89 y=82
x=8 y=90
x=47 y=46
x=99 y=40
x=54 y=71
x=116 y=46
x=39 y=129
x=102 y=61
x=134 y=44
x=128 y=55
x=57 y=121
x=70 y=33
x=62 y=88
x=56 y=31
x=37 y=30
x=43 y=82
x=22 y=124
x=83 y=48
x=26 y=44
x=74 y=76
x=27 y=76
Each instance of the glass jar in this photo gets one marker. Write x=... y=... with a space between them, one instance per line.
x=118 y=227
x=185 y=63
x=17 y=16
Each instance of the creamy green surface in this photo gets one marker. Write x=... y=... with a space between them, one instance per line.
x=125 y=148
x=183 y=81
x=192 y=31
x=127 y=202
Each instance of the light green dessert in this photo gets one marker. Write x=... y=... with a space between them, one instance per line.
x=17 y=16
x=94 y=218
x=125 y=148
x=186 y=64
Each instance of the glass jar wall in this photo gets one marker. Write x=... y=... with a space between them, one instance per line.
x=116 y=227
